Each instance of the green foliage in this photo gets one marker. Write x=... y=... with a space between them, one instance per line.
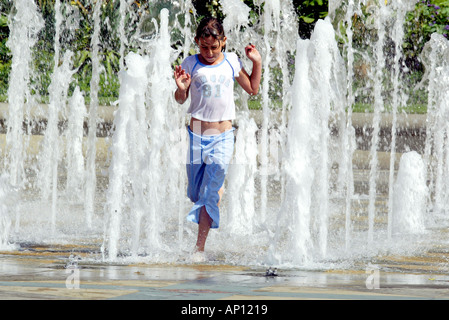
x=312 y=10
x=213 y=8
x=110 y=45
x=78 y=40
x=412 y=108
x=427 y=18
x=5 y=61
x=309 y=12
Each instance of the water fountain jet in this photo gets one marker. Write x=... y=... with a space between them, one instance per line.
x=290 y=197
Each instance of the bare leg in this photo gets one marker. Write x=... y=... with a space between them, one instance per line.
x=220 y=193
x=203 y=229
x=204 y=225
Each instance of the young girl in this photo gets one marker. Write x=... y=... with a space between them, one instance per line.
x=208 y=77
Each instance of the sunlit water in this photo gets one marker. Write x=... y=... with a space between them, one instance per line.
x=289 y=195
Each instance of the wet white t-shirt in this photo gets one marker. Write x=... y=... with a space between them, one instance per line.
x=212 y=87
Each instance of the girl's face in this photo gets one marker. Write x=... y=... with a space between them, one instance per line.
x=210 y=49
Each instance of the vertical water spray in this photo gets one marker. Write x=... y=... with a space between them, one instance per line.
x=185 y=7
x=409 y=197
x=24 y=26
x=271 y=22
x=91 y=178
x=51 y=149
x=8 y=198
x=74 y=146
x=435 y=57
x=236 y=15
x=260 y=134
x=128 y=150
x=329 y=76
x=145 y=190
x=321 y=192
x=284 y=40
x=305 y=208
x=145 y=202
x=299 y=177
x=137 y=144
x=348 y=139
x=399 y=9
x=5 y=227
x=167 y=123
x=240 y=190
x=380 y=14
x=50 y=154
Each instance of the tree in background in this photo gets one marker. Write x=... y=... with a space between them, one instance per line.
x=429 y=16
x=308 y=12
x=5 y=58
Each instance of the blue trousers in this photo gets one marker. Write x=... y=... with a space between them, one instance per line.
x=208 y=161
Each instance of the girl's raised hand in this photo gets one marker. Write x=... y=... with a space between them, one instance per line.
x=252 y=53
x=182 y=78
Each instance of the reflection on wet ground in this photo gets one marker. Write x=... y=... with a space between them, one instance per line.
x=65 y=272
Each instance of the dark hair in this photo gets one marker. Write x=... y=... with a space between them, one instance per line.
x=210 y=27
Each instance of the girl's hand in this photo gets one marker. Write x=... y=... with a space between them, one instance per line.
x=250 y=83
x=182 y=78
x=183 y=81
x=252 y=53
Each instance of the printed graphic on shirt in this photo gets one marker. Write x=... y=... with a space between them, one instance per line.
x=212 y=87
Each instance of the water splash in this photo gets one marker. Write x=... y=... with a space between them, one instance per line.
x=236 y=14
x=146 y=148
x=127 y=148
x=346 y=176
x=8 y=197
x=52 y=145
x=410 y=192
x=435 y=57
x=24 y=28
x=90 y=189
x=291 y=182
x=378 y=20
x=400 y=11
x=242 y=193
x=74 y=146
x=306 y=205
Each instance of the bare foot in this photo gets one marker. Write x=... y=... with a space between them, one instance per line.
x=198 y=257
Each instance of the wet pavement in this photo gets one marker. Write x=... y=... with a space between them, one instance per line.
x=45 y=275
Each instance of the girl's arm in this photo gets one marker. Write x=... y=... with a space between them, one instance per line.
x=250 y=83
x=183 y=82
